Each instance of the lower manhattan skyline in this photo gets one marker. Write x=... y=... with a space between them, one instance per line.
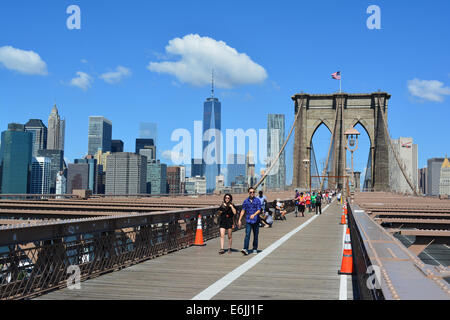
x=137 y=75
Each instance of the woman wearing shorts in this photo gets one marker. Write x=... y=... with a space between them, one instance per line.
x=226 y=221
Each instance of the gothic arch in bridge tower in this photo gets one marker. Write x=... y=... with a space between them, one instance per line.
x=339 y=112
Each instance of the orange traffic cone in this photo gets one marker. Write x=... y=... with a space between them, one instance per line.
x=343 y=220
x=199 y=234
x=345 y=208
x=347 y=258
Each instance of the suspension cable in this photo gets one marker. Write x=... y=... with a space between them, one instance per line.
x=388 y=137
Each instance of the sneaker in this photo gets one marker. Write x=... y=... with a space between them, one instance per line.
x=221 y=251
x=244 y=252
x=255 y=251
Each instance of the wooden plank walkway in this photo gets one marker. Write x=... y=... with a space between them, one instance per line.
x=302 y=268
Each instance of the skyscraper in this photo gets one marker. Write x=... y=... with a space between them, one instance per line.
x=92 y=172
x=116 y=146
x=423 y=177
x=100 y=133
x=16 y=159
x=126 y=174
x=434 y=175
x=156 y=177
x=39 y=131
x=276 y=180
x=235 y=167
x=407 y=151
x=61 y=183
x=57 y=162
x=56 y=131
x=40 y=175
x=212 y=147
x=197 y=168
x=174 y=179
x=77 y=177
x=444 y=180
x=250 y=177
x=146 y=147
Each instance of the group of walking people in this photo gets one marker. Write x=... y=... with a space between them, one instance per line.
x=256 y=212
x=312 y=201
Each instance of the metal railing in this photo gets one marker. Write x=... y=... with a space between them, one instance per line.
x=36 y=259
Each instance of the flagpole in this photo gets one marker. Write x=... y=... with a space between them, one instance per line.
x=340 y=83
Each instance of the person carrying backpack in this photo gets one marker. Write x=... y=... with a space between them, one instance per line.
x=319 y=203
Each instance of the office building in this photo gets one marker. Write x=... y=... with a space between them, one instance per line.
x=156 y=177
x=100 y=133
x=16 y=159
x=407 y=153
x=434 y=167
x=40 y=175
x=146 y=147
x=61 y=183
x=235 y=167
x=57 y=164
x=212 y=147
x=423 y=183
x=126 y=174
x=116 y=146
x=39 y=132
x=56 y=131
x=93 y=175
x=220 y=183
x=77 y=177
x=196 y=185
x=250 y=177
x=444 y=179
x=174 y=179
x=276 y=180
x=197 y=168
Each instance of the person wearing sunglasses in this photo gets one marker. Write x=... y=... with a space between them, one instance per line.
x=251 y=207
x=226 y=221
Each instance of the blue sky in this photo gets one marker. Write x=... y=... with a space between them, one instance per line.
x=298 y=44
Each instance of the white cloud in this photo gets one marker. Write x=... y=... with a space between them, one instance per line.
x=114 y=77
x=83 y=81
x=26 y=62
x=431 y=90
x=199 y=55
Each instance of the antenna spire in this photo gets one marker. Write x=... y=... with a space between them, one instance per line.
x=212 y=83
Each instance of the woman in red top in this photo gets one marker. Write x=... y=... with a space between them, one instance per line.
x=308 y=201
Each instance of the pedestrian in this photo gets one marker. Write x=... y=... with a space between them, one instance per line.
x=308 y=201
x=313 y=201
x=251 y=207
x=263 y=199
x=226 y=222
x=338 y=196
x=297 y=202
x=302 y=201
x=319 y=203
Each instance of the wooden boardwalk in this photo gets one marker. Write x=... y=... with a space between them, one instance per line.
x=304 y=267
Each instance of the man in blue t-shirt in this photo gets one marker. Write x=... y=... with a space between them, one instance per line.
x=251 y=207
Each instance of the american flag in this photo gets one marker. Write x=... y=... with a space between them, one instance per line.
x=336 y=75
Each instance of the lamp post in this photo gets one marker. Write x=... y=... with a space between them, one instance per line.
x=306 y=163
x=351 y=136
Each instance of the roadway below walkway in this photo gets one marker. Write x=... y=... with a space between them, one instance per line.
x=298 y=259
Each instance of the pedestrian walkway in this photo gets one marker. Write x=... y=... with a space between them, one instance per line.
x=298 y=259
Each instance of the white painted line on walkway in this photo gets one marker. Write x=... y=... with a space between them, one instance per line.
x=221 y=284
x=343 y=280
